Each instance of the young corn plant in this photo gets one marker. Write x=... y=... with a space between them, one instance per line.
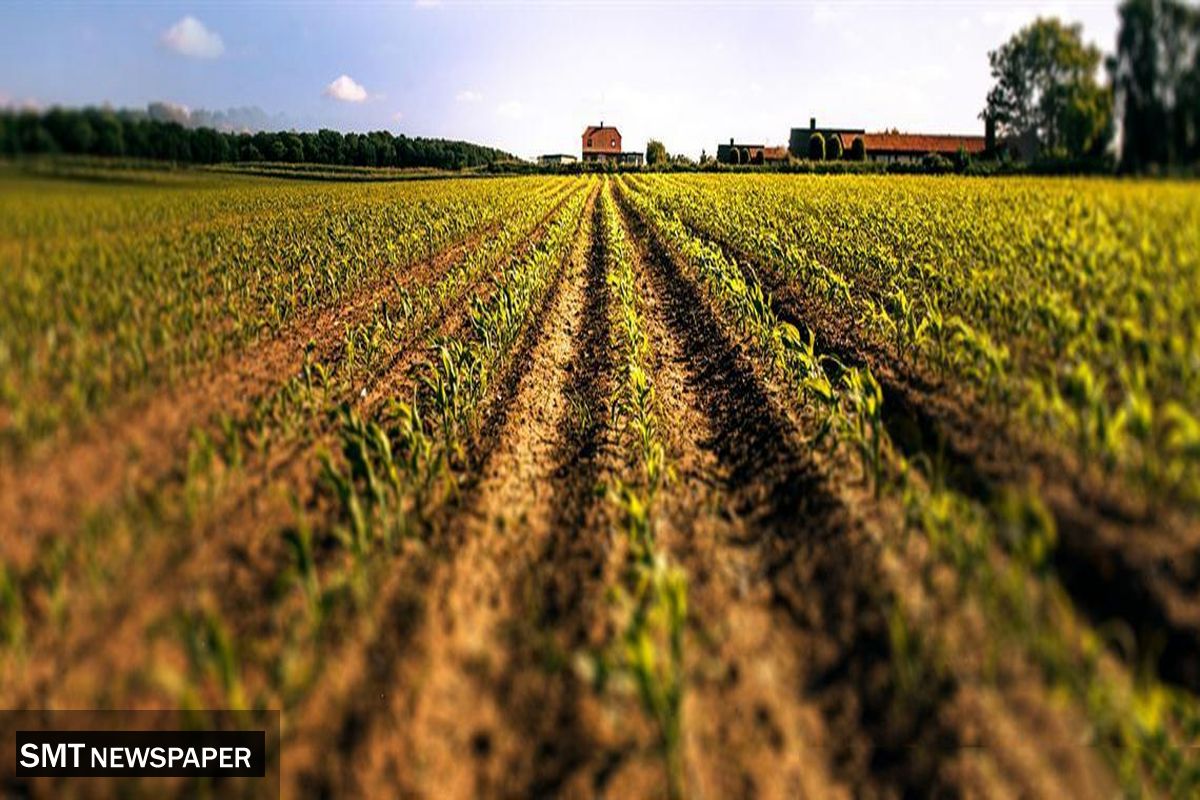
x=654 y=591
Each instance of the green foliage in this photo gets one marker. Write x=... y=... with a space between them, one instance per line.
x=161 y=134
x=111 y=290
x=833 y=148
x=969 y=282
x=816 y=147
x=1046 y=96
x=1156 y=79
x=656 y=153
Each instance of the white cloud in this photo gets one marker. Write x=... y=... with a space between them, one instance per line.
x=468 y=96
x=190 y=38
x=346 y=90
x=511 y=109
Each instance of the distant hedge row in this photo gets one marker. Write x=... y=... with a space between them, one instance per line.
x=102 y=132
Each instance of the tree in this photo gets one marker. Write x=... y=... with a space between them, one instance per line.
x=858 y=149
x=816 y=147
x=1046 y=95
x=1155 y=74
x=656 y=153
x=833 y=148
x=104 y=132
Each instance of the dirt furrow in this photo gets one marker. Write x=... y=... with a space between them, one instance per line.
x=750 y=729
x=422 y=702
x=490 y=672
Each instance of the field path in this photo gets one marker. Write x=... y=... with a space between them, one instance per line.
x=496 y=708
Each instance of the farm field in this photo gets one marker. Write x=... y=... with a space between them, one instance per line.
x=627 y=485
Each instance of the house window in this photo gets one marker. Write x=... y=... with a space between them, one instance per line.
x=612 y=143
x=589 y=142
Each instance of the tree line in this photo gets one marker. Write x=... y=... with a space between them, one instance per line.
x=105 y=132
x=1048 y=101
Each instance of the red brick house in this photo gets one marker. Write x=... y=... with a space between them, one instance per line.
x=601 y=143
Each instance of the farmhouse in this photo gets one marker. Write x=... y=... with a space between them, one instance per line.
x=603 y=143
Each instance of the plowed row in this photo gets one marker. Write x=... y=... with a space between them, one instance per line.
x=573 y=506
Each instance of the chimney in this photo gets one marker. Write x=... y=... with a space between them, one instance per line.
x=812 y=123
x=731 y=141
x=601 y=123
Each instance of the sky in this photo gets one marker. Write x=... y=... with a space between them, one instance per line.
x=529 y=76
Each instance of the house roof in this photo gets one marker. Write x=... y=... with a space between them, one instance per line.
x=920 y=143
x=775 y=153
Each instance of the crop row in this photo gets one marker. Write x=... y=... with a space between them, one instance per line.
x=652 y=599
x=89 y=317
x=999 y=554
x=228 y=458
x=395 y=476
x=1069 y=306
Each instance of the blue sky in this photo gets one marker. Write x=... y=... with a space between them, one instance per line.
x=528 y=76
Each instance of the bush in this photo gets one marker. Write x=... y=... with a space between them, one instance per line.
x=858 y=149
x=936 y=164
x=816 y=147
x=833 y=150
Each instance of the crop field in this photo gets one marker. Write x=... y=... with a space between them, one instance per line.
x=684 y=485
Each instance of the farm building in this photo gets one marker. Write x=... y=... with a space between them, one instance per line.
x=603 y=143
x=890 y=146
x=734 y=153
x=556 y=159
x=908 y=148
x=799 y=137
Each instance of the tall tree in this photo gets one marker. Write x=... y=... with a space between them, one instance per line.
x=656 y=153
x=1156 y=79
x=1046 y=95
